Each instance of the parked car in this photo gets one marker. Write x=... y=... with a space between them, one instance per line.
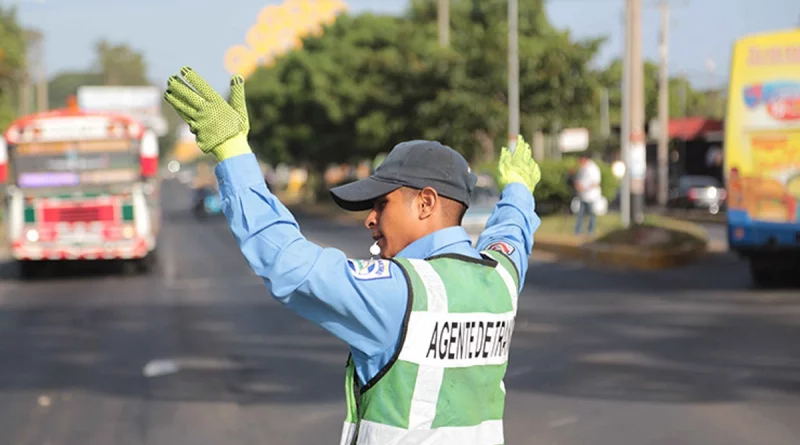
x=698 y=192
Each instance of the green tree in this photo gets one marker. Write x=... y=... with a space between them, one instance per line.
x=370 y=81
x=683 y=99
x=114 y=64
x=12 y=63
x=350 y=94
x=557 y=86
x=120 y=64
x=65 y=84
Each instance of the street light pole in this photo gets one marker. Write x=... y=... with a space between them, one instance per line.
x=625 y=192
x=638 y=153
x=663 y=107
x=513 y=74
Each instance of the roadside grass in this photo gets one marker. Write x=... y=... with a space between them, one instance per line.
x=654 y=231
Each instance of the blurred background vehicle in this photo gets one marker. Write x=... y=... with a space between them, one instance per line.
x=482 y=202
x=698 y=192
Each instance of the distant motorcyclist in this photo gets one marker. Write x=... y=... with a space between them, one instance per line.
x=204 y=184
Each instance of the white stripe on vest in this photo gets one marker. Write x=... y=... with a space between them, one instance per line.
x=429 y=378
x=493 y=329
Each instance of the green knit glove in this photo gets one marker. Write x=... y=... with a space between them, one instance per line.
x=518 y=166
x=220 y=127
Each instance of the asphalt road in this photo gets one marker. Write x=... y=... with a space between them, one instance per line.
x=716 y=231
x=688 y=356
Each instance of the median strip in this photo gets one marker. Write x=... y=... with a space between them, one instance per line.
x=660 y=242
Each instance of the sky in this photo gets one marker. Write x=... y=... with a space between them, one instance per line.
x=173 y=33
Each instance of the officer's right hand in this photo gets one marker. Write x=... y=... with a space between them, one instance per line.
x=220 y=127
x=518 y=166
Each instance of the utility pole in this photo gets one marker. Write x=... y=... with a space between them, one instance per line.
x=711 y=66
x=41 y=86
x=605 y=125
x=34 y=74
x=24 y=95
x=443 y=14
x=682 y=97
x=513 y=75
x=663 y=107
x=26 y=98
x=625 y=192
x=636 y=140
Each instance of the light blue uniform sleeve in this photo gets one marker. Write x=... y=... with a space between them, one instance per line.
x=363 y=306
x=513 y=221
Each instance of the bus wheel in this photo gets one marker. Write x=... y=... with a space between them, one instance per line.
x=129 y=267
x=149 y=262
x=30 y=270
x=140 y=265
x=761 y=274
x=145 y=265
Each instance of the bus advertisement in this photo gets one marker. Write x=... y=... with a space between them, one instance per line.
x=762 y=153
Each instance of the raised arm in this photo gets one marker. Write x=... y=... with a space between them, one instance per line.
x=356 y=302
x=513 y=222
x=511 y=226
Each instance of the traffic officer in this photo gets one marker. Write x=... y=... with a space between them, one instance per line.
x=428 y=323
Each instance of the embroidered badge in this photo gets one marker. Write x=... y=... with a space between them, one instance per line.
x=369 y=269
x=501 y=246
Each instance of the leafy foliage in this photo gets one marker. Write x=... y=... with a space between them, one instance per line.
x=114 y=64
x=371 y=81
x=683 y=99
x=119 y=64
x=12 y=63
x=66 y=84
x=351 y=93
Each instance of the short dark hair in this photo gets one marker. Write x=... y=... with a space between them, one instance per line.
x=453 y=210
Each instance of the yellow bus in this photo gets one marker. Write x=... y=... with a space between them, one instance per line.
x=762 y=152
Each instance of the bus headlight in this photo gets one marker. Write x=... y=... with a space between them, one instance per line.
x=128 y=232
x=32 y=235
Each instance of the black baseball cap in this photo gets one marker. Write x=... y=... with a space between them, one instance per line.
x=415 y=164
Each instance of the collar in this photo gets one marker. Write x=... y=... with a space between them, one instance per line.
x=450 y=240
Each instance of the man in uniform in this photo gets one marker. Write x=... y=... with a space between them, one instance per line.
x=428 y=323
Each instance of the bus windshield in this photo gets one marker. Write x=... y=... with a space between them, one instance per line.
x=74 y=163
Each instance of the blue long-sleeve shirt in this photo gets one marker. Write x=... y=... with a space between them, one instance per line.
x=362 y=306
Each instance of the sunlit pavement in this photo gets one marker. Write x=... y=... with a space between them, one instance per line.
x=198 y=353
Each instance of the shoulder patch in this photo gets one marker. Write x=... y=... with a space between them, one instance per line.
x=501 y=246
x=369 y=269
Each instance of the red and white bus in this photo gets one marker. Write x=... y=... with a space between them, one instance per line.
x=80 y=186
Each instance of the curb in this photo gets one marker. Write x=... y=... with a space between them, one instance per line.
x=632 y=258
x=696 y=217
x=565 y=246
x=701 y=220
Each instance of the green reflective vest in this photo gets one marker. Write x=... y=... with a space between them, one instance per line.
x=445 y=383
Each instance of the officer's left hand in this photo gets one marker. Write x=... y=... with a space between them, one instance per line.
x=220 y=127
x=518 y=166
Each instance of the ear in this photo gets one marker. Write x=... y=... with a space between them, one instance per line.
x=428 y=201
